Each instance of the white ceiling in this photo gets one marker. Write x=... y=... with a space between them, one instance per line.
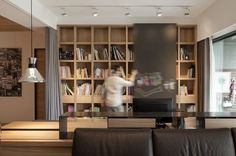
x=116 y=8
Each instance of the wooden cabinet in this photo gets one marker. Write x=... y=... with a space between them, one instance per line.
x=87 y=57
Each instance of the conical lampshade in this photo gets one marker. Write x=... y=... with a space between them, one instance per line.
x=31 y=74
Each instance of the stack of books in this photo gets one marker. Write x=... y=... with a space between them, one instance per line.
x=116 y=54
x=65 y=72
x=82 y=73
x=84 y=89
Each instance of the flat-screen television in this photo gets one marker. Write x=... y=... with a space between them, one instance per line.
x=154 y=105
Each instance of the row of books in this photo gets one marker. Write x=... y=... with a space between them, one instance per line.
x=101 y=55
x=82 y=73
x=101 y=73
x=65 y=72
x=81 y=54
x=84 y=89
x=116 y=54
x=99 y=90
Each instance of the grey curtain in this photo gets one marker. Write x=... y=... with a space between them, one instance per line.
x=203 y=57
x=53 y=95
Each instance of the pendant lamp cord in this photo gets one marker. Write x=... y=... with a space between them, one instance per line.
x=31 y=29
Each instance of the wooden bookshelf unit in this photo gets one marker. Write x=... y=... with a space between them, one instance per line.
x=88 y=52
x=186 y=66
x=92 y=42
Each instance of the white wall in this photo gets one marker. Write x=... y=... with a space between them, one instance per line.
x=219 y=16
x=20 y=12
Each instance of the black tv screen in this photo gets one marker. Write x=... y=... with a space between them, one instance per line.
x=153 y=105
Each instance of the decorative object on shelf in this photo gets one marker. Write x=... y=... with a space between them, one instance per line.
x=65 y=55
x=31 y=74
x=10 y=71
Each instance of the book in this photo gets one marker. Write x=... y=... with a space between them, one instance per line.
x=65 y=72
x=84 y=89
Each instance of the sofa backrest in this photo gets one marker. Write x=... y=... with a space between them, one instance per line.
x=193 y=142
x=112 y=142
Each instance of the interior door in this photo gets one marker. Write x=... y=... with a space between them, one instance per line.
x=40 y=113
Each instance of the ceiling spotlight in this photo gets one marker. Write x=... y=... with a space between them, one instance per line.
x=187 y=11
x=159 y=12
x=63 y=12
x=95 y=12
x=127 y=12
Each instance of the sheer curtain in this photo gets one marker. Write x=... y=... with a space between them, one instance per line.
x=53 y=86
x=212 y=105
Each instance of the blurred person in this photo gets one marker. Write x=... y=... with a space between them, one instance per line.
x=113 y=86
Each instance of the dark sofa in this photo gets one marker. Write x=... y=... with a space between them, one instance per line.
x=155 y=142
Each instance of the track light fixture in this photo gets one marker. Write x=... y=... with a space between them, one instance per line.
x=127 y=12
x=63 y=12
x=95 y=12
x=159 y=12
x=187 y=11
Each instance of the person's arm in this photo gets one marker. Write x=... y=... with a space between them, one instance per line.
x=129 y=82
x=133 y=75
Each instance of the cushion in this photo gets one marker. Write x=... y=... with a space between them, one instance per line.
x=193 y=142
x=112 y=142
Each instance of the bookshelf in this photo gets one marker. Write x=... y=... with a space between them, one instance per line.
x=186 y=67
x=95 y=46
x=87 y=52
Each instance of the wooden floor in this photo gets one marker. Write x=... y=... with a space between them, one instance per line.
x=33 y=139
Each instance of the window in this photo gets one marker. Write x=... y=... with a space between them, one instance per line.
x=223 y=97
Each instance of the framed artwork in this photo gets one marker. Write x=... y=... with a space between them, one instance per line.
x=10 y=72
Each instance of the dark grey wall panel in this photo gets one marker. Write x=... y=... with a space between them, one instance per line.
x=155 y=54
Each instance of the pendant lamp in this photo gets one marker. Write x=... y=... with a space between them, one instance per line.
x=31 y=74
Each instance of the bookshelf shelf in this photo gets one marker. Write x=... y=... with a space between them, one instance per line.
x=66 y=61
x=185 y=78
x=66 y=43
x=67 y=78
x=186 y=61
x=101 y=61
x=187 y=43
x=100 y=43
x=118 y=43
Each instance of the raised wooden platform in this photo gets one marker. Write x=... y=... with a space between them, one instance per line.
x=34 y=138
